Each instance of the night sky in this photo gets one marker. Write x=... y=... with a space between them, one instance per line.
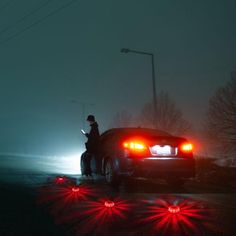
x=72 y=60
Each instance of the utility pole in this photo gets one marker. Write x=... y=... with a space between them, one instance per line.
x=154 y=99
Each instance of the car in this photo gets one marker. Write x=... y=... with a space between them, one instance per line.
x=146 y=153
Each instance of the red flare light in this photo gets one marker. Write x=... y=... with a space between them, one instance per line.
x=174 y=209
x=174 y=215
x=106 y=210
x=99 y=215
x=109 y=204
x=60 y=180
x=75 y=189
x=65 y=195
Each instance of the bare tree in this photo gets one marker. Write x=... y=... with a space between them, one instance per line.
x=221 y=117
x=169 y=117
x=122 y=119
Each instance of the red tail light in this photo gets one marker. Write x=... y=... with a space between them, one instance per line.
x=186 y=147
x=135 y=145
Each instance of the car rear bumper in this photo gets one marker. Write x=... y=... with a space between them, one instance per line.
x=160 y=167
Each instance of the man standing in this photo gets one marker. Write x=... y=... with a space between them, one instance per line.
x=91 y=146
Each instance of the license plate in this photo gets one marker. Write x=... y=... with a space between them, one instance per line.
x=158 y=150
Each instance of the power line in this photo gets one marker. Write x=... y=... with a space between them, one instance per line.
x=38 y=21
x=22 y=19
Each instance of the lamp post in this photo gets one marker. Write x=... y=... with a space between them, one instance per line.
x=127 y=50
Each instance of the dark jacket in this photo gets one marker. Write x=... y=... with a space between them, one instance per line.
x=93 y=139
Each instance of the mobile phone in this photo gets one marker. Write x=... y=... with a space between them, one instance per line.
x=82 y=131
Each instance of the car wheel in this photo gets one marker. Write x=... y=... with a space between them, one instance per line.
x=93 y=165
x=110 y=174
x=82 y=167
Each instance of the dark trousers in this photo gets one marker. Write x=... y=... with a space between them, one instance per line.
x=85 y=163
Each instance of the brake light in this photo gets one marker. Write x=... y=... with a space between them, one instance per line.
x=186 y=147
x=135 y=145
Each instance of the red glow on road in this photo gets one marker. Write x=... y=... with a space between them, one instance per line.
x=105 y=210
x=98 y=216
x=65 y=196
x=72 y=194
x=176 y=216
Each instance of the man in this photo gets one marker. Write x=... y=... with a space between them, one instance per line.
x=91 y=146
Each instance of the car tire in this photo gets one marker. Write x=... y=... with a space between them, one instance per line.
x=93 y=165
x=82 y=167
x=110 y=174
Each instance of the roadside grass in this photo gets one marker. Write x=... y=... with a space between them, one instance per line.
x=210 y=173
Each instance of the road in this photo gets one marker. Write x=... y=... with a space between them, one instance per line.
x=35 y=202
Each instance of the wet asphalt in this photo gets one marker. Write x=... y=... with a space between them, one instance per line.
x=41 y=203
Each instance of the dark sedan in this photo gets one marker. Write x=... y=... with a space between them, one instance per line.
x=147 y=153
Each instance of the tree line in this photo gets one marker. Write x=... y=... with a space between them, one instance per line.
x=169 y=116
x=219 y=124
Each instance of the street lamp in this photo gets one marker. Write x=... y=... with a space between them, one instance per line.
x=127 y=50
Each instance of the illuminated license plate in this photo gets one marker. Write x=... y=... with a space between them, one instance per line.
x=158 y=150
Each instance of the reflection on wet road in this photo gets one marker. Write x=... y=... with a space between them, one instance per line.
x=90 y=207
x=138 y=207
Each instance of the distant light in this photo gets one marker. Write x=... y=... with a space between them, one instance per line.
x=174 y=209
x=66 y=165
x=109 y=204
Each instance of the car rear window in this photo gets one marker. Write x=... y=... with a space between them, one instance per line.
x=145 y=133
